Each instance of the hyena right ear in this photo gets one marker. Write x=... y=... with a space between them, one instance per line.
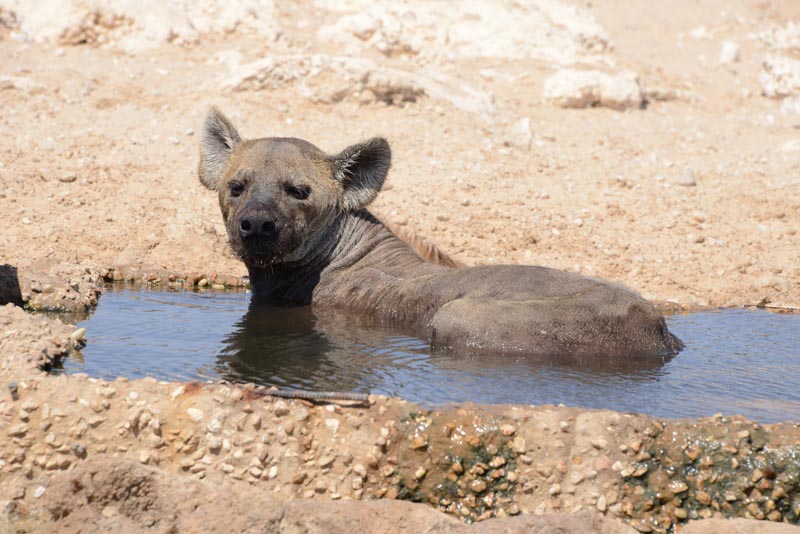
x=217 y=142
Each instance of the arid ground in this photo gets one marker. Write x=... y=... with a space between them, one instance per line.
x=652 y=143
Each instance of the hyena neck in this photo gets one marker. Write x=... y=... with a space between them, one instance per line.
x=355 y=240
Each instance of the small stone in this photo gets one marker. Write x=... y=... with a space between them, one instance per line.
x=686 y=178
x=600 y=444
x=775 y=515
x=18 y=430
x=678 y=486
x=301 y=414
x=680 y=513
x=730 y=497
x=39 y=492
x=518 y=444
x=508 y=430
x=729 y=53
x=640 y=471
x=326 y=461
x=280 y=409
x=478 y=486
x=195 y=414
x=298 y=478
x=214 y=443
x=743 y=434
x=418 y=442
x=213 y=426
x=107 y=392
x=602 y=504
x=564 y=426
x=79 y=450
x=68 y=177
x=419 y=474
x=497 y=461
x=703 y=498
x=555 y=489
x=457 y=467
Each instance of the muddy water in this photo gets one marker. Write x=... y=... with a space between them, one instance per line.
x=736 y=361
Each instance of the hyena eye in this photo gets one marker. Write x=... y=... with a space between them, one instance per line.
x=236 y=188
x=299 y=192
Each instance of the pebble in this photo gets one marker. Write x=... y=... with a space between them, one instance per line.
x=18 y=430
x=703 y=498
x=418 y=442
x=107 y=392
x=602 y=504
x=478 y=486
x=79 y=450
x=68 y=178
x=280 y=409
x=686 y=178
x=729 y=53
x=508 y=430
x=518 y=445
x=564 y=426
x=195 y=414
x=678 y=486
x=419 y=474
x=497 y=461
x=457 y=467
x=326 y=461
x=39 y=492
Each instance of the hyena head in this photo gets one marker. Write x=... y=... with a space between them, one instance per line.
x=278 y=195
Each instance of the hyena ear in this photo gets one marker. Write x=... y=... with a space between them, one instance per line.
x=362 y=169
x=216 y=146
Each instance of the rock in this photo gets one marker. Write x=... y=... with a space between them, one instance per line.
x=685 y=179
x=780 y=76
x=553 y=31
x=195 y=414
x=355 y=75
x=280 y=409
x=570 y=88
x=729 y=53
x=519 y=136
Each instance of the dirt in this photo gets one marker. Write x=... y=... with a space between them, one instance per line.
x=679 y=180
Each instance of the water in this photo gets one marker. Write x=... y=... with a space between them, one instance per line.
x=736 y=361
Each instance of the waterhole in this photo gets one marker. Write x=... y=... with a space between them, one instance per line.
x=736 y=361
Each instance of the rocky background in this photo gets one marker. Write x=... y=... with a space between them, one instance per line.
x=654 y=143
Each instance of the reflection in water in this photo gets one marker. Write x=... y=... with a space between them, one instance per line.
x=736 y=361
x=294 y=347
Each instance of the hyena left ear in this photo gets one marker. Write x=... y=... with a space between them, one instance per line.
x=217 y=142
x=362 y=169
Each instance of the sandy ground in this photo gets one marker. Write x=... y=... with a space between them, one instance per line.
x=99 y=158
x=676 y=174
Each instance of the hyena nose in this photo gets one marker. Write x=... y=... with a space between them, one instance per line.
x=255 y=226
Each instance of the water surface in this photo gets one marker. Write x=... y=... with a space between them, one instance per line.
x=735 y=362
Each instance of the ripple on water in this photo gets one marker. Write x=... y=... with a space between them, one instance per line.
x=736 y=361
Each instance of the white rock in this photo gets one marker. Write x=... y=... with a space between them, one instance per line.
x=686 y=178
x=195 y=414
x=729 y=53
x=570 y=88
x=552 y=30
x=780 y=77
x=519 y=134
